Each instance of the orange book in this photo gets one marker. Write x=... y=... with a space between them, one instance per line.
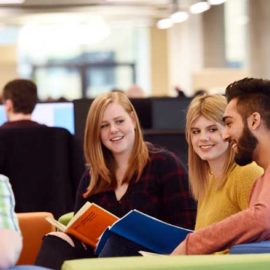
x=87 y=224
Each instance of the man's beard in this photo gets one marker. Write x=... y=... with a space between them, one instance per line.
x=245 y=147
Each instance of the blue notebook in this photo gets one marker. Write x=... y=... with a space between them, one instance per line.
x=149 y=232
x=256 y=247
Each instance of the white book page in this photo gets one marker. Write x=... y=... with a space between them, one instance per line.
x=147 y=253
x=57 y=224
x=79 y=213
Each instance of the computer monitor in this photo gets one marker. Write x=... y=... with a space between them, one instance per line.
x=169 y=113
x=53 y=114
x=175 y=141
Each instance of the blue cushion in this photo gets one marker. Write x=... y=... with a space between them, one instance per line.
x=29 y=267
x=257 y=247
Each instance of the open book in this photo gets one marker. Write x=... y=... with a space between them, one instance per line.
x=87 y=224
x=152 y=234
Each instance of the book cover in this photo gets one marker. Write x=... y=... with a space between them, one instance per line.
x=88 y=223
x=149 y=232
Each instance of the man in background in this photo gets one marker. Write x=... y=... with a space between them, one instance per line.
x=19 y=99
x=10 y=237
x=44 y=163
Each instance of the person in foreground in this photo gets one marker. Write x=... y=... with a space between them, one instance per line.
x=10 y=236
x=221 y=187
x=247 y=127
x=124 y=173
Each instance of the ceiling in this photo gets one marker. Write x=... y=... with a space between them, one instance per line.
x=111 y=9
x=65 y=3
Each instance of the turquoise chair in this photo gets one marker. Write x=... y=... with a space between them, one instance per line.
x=251 y=248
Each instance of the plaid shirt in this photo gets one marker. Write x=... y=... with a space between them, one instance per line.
x=162 y=192
x=8 y=218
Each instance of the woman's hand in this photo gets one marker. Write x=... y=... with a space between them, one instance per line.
x=180 y=249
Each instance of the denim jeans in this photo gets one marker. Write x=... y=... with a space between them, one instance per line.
x=54 y=251
x=117 y=246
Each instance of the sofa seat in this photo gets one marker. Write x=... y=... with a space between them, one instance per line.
x=203 y=262
x=33 y=227
x=29 y=267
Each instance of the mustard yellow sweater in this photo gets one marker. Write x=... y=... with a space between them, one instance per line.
x=233 y=197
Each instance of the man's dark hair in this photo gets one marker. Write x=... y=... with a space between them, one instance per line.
x=253 y=95
x=22 y=93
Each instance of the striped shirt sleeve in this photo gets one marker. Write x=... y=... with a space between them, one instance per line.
x=8 y=219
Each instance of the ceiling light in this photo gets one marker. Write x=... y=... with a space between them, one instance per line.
x=179 y=16
x=216 y=2
x=164 y=23
x=199 y=7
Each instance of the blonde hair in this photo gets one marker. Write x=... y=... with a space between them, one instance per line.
x=98 y=157
x=211 y=107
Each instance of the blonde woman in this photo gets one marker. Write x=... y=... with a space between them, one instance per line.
x=124 y=173
x=221 y=187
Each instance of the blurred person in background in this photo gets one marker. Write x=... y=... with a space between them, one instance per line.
x=19 y=97
x=135 y=91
